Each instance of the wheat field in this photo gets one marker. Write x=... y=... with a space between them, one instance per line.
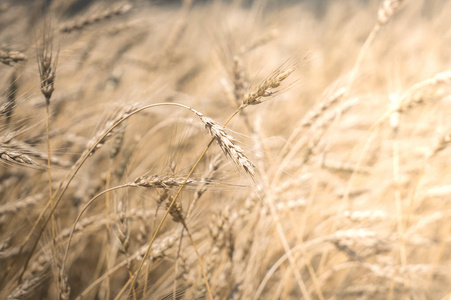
x=225 y=149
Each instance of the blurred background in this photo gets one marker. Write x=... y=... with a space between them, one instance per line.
x=348 y=138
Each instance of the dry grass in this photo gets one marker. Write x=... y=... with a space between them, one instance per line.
x=323 y=174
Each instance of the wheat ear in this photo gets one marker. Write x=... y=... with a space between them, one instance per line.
x=257 y=99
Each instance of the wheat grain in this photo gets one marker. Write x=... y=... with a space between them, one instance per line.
x=387 y=9
x=161 y=182
x=95 y=18
x=267 y=87
x=34 y=153
x=176 y=210
x=8 y=56
x=227 y=144
x=16 y=157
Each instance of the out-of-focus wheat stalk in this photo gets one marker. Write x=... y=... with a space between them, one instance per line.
x=386 y=10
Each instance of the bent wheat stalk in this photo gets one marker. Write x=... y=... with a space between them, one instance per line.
x=146 y=254
x=264 y=90
x=155 y=182
x=65 y=182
